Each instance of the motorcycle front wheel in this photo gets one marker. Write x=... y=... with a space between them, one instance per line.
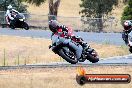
x=68 y=56
x=12 y=24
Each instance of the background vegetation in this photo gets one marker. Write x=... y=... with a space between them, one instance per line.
x=127 y=14
x=17 y=4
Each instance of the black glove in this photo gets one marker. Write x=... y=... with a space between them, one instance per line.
x=50 y=46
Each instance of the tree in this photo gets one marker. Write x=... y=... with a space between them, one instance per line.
x=36 y=2
x=97 y=9
x=127 y=14
x=17 y=4
x=53 y=6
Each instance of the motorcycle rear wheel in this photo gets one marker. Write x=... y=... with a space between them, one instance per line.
x=130 y=49
x=93 y=57
x=25 y=26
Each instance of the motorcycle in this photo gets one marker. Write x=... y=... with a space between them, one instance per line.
x=68 y=53
x=127 y=34
x=19 y=22
x=130 y=41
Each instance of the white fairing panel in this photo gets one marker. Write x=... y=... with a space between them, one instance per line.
x=130 y=40
x=130 y=43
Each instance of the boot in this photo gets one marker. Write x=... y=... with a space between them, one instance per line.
x=85 y=46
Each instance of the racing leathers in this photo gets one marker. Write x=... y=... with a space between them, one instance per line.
x=126 y=31
x=125 y=35
x=10 y=14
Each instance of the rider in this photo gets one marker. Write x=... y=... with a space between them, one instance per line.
x=127 y=29
x=59 y=33
x=65 y=31
x=10 y=14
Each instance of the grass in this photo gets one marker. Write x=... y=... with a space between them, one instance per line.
x=107 y=50
x=58 y=77
x=21 y=50
x=29 y=49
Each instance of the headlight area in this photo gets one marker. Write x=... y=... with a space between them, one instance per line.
x=21 y=19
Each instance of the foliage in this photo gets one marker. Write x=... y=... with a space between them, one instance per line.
x=97 y=8
x=53 y=6
x=127 y=14
x=36 y=2
x=17 y=4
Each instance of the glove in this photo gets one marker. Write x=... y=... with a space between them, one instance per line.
x=12 y=18
x=50 y=46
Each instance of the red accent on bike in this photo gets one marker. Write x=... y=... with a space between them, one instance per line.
x=59 y=30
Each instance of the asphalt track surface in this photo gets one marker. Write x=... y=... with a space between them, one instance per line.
x=111 y=38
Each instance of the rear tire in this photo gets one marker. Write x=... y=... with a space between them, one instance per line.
x=25 y=26
x=130 y=49
x=68 y=59
x=93 y=58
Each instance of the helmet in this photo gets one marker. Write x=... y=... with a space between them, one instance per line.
x=53 y=24
x=127 y=25
x=9 y=7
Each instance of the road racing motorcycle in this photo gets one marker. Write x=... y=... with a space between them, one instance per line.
x=68 y=53
x=19 y=22
x=130 y=41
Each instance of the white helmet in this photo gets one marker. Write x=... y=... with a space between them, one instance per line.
x=127 y=23
x=9 y=7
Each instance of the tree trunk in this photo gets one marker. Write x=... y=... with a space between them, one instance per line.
x=100 y=22
x=53 y=9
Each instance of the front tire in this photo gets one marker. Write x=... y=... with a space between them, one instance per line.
x=12 y=27
x=12 y=24
x=67 y=58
